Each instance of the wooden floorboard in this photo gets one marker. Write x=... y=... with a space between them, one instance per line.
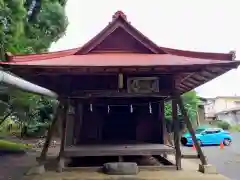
x=117 y=150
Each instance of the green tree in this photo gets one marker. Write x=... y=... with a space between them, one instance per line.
x=26 y=27
x=190 y=100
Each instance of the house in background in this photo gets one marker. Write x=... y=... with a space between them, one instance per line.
x=226 y=108
x=209 y=112
x=201 y=113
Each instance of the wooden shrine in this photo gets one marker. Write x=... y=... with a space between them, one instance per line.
x=112 y=91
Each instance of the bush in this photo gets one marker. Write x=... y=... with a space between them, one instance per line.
x=37 y=130
x=4 y=127
x=223 y=124
x=235 y=128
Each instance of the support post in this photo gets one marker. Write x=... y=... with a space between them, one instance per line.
x=60 y=159
x=78 y=121
x=175 y=119
x=163 y=122
x=191 y=130
x=71 y=120
x=39 y=169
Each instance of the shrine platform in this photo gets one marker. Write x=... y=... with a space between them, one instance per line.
x=117 y=150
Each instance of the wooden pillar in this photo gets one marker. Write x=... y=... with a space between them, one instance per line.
x=70 y=124
x=163 y=122
x=78 y=122
x=175 y=119
x=60 y=159
x=191 y=130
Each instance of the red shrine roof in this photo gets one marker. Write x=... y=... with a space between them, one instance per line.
x=116 y=59
x=113 y=42
x=120 y=44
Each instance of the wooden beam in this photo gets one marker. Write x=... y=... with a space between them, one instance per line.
x=181 y=86
x=200 y=77
x=115 y=94
x=191 y=130
x=175 y=119
x=208 y=73
x=51 y=70
x=180 y=89
x=118 y=150
x=189 y=84
x=196 y=83
x=119 y=101
x=184 y=86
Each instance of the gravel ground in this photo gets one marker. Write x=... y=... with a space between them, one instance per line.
x=13 y=167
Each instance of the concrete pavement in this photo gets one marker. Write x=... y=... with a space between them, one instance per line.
x=227 y=160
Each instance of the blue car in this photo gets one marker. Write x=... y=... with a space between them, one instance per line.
x=208 y=136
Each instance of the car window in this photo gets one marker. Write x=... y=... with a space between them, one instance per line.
x=212 y=131
x=209 y=132
x=199 y=131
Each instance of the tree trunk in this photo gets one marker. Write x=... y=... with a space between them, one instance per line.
x=23 y=130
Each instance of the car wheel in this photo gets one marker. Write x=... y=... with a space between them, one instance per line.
x=184 y=141
x=227 y=142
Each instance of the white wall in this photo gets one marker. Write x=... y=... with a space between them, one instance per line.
x=221 y=104
x=209 y=108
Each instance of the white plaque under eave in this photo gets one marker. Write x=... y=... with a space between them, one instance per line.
x=143 y=84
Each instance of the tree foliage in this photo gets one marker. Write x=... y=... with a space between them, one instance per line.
x=26 y=27
x=190 y=100
x=24 y=31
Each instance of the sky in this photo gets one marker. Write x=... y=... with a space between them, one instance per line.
x=197 y=25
